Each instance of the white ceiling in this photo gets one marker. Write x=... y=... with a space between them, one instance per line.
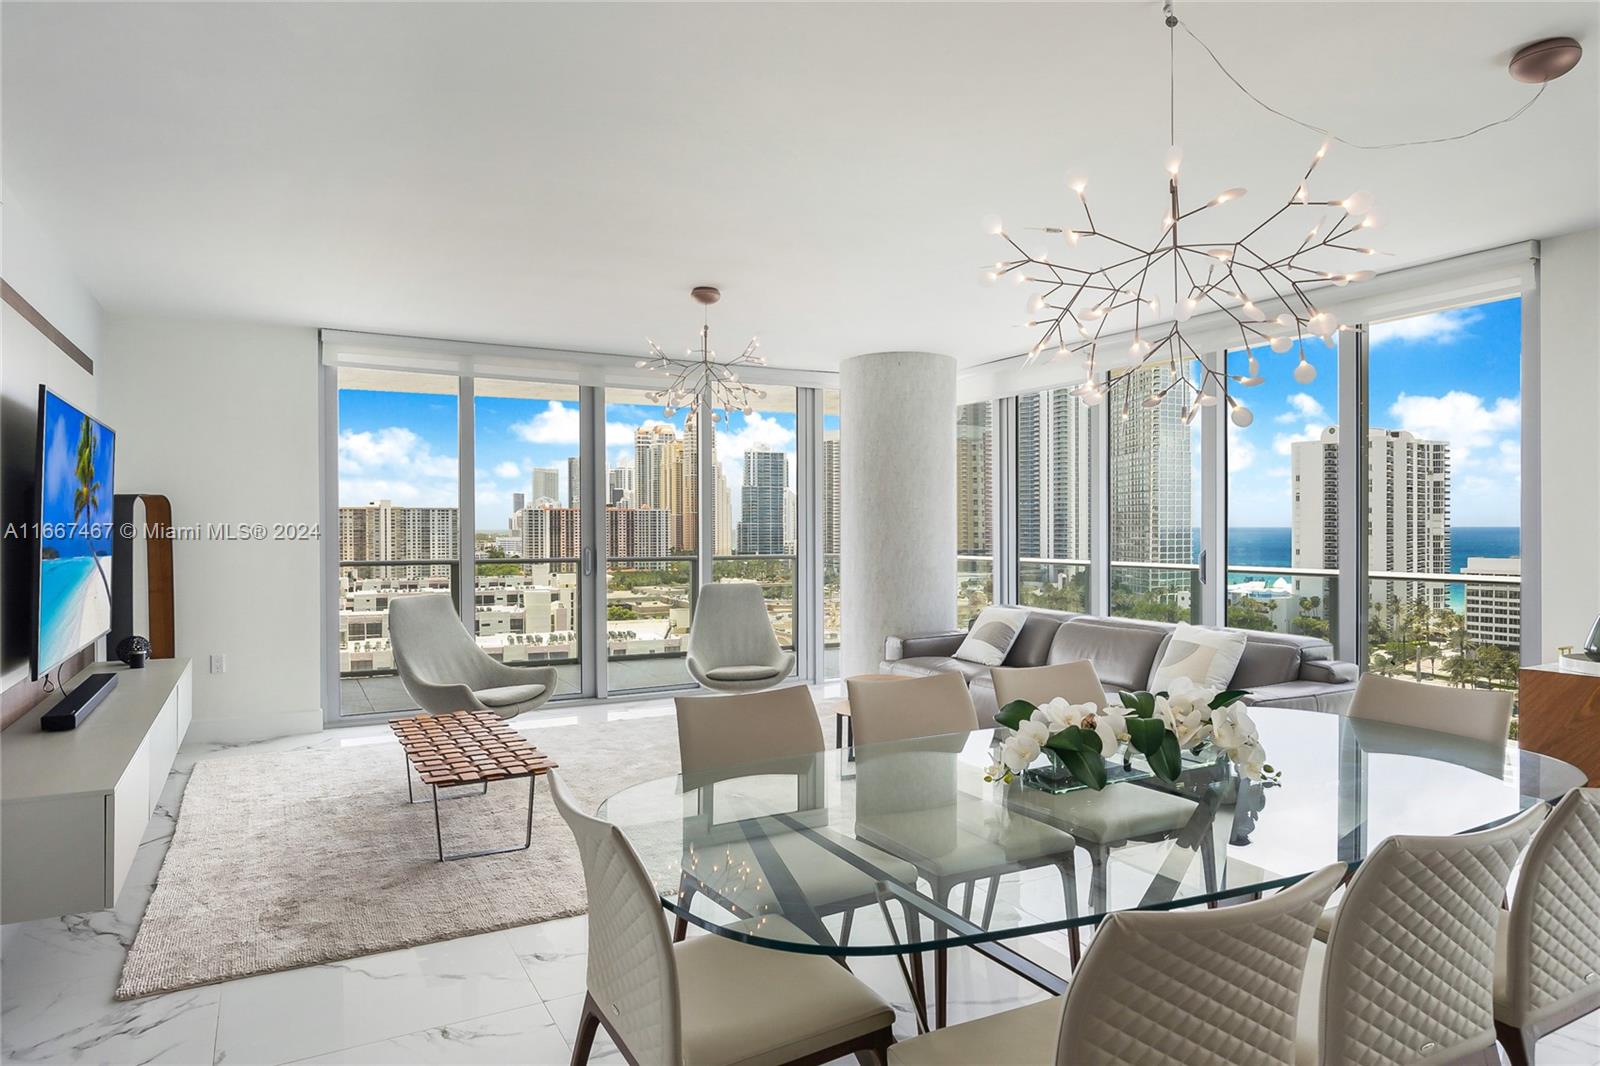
x=560 y=175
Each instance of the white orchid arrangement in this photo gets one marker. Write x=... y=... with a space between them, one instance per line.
x=1159 y=725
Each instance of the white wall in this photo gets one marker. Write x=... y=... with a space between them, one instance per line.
x=221 y=418
x=33 y=265
x=1569 y=438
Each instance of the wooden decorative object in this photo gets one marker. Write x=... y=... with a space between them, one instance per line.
x=157 y=537
x=467 y=748
x=1560 y=716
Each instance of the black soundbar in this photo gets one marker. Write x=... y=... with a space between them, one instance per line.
x=78 y=704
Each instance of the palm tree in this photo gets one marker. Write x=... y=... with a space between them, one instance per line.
x=86 y=497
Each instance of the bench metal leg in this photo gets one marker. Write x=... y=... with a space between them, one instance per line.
x=438 y=829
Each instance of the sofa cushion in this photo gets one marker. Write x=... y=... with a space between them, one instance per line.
x=1205 y=655
x=1122 y=653
x=928 y=665
x=992 y=635
x=1266 y=663
x=1032 y=647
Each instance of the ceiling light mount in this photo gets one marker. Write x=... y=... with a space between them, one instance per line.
x=1546 y=60
x=706 y=294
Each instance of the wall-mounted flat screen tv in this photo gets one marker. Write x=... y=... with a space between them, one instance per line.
x=74 y=470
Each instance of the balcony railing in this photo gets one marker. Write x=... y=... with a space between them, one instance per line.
x=775 y=575
x=1165 y=592
x=1284 y=599
x=1424 y=627
x=1053 y=584
x=974 y=586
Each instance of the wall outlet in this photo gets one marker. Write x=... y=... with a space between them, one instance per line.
x=219 y=664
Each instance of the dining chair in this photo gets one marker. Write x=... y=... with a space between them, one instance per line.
x=1407 y=974
x=712 y=1000
x=1477 y=714
x=910 y=734
x=444 y=670
x=1547 y=957
x=1179 y=988
x=731 y=645
x=718 y=735
x=1103 y=820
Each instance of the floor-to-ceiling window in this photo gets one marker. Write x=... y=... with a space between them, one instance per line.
x=755 y=505
x=527 y=508
x=1056 y=451
x=398 y=519
x=1283 y=531
x=832 y=616
x=975 y=449
x=653 y=501
x=1154 y=499
x=1443 y=459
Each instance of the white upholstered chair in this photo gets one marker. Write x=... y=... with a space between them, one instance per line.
x=1407 y=975
x=780 y=729
x=1548 y=955
x=1181 y=988
x=444 y=670
x=909 y=804
x=732 y=647
x=709 y=1001
x=1477 y=714
x=1100 y=821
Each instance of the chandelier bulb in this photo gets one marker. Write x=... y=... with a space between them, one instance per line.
x=1079 y=186
x=1359 y=275
x=1305 y=373
x=1357 y=203
x=1222 y=254
x=669 y=411
x=1240 y=415
x=1251 y=313
x=1173 y=161
x=1073 y=236
x=1225 y=195
x=1255 y=366
x=1280 y=345
x=1154 y=305
x=1035 y=303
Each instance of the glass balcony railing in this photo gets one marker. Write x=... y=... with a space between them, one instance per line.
x=775 y=575
x=649 y=608
x=1446 y=629
x=974 y=586
x=1054 y=584
x=368 y=683
x=526 y=613
x=832 y=618
x=1280 y=599
x=1163 y=592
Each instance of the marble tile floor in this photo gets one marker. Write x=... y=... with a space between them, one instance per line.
x=506 y=997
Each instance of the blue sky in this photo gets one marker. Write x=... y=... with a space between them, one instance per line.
x=402 y=446
x=1452 y=375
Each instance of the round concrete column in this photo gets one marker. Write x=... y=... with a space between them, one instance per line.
x=897 y=454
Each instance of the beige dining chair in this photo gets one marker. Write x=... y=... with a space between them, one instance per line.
x=712 y=1000
x=1075 y=682
x=1477 y=714
x=1407 y=974
x=910 y=734
x=775 y=732
x=1101 y=821
x=1181 y=988
x=1547 y=956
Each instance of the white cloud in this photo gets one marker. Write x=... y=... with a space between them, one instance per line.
x=558 y=424
x=1462 y=419
x=507 y=470
x=393 y=463
x=759 y=431
x=1303 y=405
x=1441 y=327
x=1282 y=443
x=1241 y=450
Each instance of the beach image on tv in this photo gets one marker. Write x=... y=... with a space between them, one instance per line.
x=75 y=528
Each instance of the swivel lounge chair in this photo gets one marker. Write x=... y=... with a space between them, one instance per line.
x=732 y=647
x=444 y=670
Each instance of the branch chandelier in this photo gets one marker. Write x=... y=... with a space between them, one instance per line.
x=699 y=381
x=1075 y=305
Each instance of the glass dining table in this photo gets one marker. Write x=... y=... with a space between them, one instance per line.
x=905 y=849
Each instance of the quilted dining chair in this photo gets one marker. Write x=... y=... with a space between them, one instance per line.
x=731 y=646
x=1180 y=988
x=709 y=1001
x=444 y=670
x=778 y=730
x=1407 y=975
x=1548 y=955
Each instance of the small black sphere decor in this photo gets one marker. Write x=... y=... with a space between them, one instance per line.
x=134 y=651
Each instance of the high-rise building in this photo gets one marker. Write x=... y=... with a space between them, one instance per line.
x=1053 y=476
x=830 y=492
x=1494 y=611
x=722 y=541
x=574 y=495
x=766 y=479
x=548 y=532
x=518 y=502
x=789 y=528
x=619 y=482
x=638 y=532
x=382 y=531
x=974 y=485
x=1408 y=512
x=1152 y=515
x=546 y=485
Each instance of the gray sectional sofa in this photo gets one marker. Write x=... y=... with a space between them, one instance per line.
x=1278 y=669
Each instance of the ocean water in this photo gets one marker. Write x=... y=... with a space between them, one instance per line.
x=63 y=593
x=1269 y=545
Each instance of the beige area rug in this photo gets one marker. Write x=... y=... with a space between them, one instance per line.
x=289 y=859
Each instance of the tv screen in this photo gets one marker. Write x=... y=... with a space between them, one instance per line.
x=77 y=458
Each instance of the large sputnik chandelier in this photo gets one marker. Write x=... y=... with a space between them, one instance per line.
x=698 y=380
x=1181 y=276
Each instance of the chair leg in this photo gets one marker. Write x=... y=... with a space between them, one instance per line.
x=844 y=928
x=913 y=962
x=588 y=1026
x=878 y=1053
x=988 y=901
x=1519 y=1049
x=680 y=925
x=1069 y=893
x=941 y=962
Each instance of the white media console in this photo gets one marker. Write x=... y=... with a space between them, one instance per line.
x=74 y=805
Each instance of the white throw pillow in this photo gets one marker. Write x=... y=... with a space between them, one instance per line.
x=1205 y=656
x=992 y=635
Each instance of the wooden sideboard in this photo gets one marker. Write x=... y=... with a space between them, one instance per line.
x=74 y=805
x=1560 y=716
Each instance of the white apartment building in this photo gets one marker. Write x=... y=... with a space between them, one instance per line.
x=1494 y=611
x=382 y=531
